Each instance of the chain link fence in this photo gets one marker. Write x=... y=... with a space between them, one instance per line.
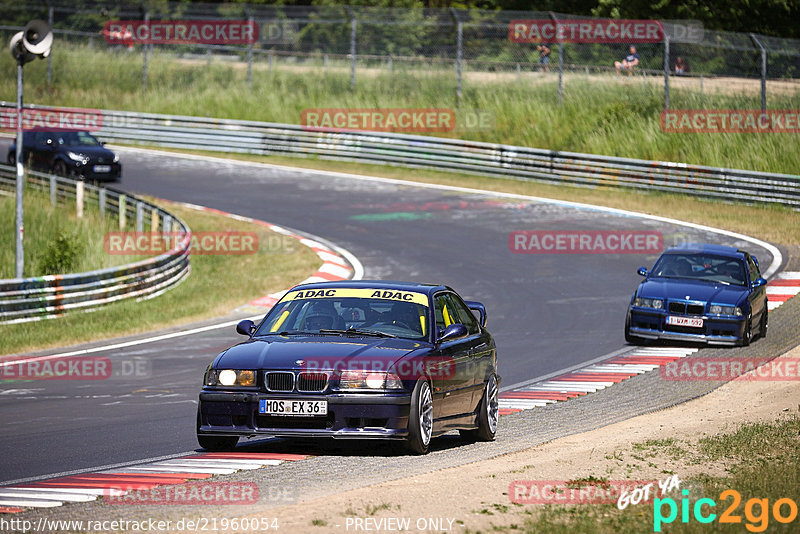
x=473 y=46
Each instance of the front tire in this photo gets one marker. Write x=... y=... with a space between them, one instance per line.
x=747 y=335
x=420 y=418
x=60 y=169
x=215 y=443
x=633 y=340
x=488 y=415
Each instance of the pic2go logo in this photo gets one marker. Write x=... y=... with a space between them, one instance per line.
x=756 y=511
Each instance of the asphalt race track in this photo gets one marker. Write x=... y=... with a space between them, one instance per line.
x=546 y=311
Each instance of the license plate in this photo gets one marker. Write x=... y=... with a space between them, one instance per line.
x=102 y=168
x=293 y=407
x=685 y=321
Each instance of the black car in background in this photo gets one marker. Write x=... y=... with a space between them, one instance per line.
x=71 y=154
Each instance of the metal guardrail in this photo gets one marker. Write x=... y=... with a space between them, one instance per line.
x=31 y=299
x=490 y=159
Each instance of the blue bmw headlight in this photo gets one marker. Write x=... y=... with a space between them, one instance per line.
x=656 y=304
x=716 y=309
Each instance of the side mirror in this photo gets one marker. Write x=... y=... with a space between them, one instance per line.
x=102 y=143
x=245 y=327
x=643 y=271
x=758 y=283
x=478 y=307
x=454 y=331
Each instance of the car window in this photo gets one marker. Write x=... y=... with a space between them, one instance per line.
x=465 y=315
x=443 y=307
x=701 y=266
x=77 y=139
x=753 y=268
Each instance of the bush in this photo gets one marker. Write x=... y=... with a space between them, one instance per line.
x=61 y=255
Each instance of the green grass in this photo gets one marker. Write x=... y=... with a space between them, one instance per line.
x=50 y=230
x=763 y=462
x=225 y=282
x=604 y=116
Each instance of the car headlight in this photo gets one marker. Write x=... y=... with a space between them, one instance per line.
x=230 y=377
x=361 y=379
x=74 y=156
x=116 y=158
x=716 y=309
x=656 y=304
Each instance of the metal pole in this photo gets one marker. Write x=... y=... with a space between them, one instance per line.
x=459 y=56
x=666 y=71
x=757 y=42
x=353 y=25
x=144 y=55
x=50 y=55
x=250 y=58
x=560 y=60
x=20 y=212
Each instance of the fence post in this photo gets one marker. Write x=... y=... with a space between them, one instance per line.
x=50 y=55
x=121 y=212
x=53 y=190
x=154 y=220
x=353 y=35
x=560 y=60
x=101 y=200
x=144 y=54
x=269 y=57
x=757 y=41
x=666 y=71
x=459 y=50
x=139 y=216
x=250 y=57
x=79 y=199
x=167 y=224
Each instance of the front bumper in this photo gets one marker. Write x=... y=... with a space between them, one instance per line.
x=351 y=415
x=716 y=330
x=87 y=171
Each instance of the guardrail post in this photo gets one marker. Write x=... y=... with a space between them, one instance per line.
x=269 y=60
x=53 y=190
x=101 y=201
x=757 y=41
x=666 y=71
x=154 y=220
x=50 y=55
x=167 y=224
x=121 y=212
x=79 y=185
x=139 y=217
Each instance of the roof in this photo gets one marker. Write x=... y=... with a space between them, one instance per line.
x=696 y=248
x=377 y=284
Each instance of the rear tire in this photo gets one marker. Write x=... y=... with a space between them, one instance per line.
x=420 y=418
x=12 y=159
x=488 y=415
x=764 y=325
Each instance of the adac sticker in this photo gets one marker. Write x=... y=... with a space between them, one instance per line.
x=363 y=293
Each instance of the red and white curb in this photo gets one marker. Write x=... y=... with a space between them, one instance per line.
x=86 y=487
x=781 y=288
x=614 y=370
x=334 y=266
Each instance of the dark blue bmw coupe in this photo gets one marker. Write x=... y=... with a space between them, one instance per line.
x=705 y=293
x=356 y=359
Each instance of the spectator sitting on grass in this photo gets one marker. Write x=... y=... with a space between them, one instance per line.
x=681 y=67
x=630 y=61
x=544 y=56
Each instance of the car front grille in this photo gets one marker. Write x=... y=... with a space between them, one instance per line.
x=686 y=308
x=279 y=381
x=307 y=382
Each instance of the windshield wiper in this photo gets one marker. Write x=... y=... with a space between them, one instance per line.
x=297 y=333
x=357 y=332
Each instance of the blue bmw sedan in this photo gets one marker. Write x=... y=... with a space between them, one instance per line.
x=356 y=359
x=704 y=293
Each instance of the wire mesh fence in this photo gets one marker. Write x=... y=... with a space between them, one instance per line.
x=471 y=45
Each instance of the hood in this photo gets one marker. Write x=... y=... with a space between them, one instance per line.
x=94 y=152
x=278 y=352
x=670 y=288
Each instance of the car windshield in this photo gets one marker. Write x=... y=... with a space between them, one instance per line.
x=350 y=311
x=77 y=139
x=701 y=267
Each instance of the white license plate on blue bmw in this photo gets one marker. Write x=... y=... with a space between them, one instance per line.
x=691 y=322
x=102 y=168
x=292 y=407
